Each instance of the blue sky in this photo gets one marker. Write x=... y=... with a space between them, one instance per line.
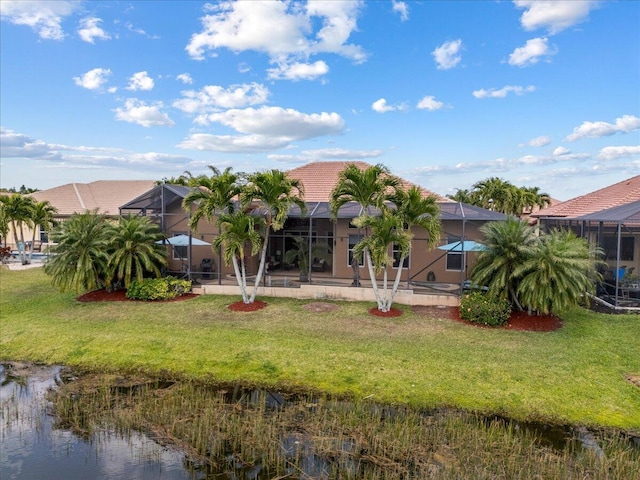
x=444 y=93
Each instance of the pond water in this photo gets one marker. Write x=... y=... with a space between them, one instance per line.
x=32 y=448
x=34 y=444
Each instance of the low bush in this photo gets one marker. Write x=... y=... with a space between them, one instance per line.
x=158 y=288
x=480 y=307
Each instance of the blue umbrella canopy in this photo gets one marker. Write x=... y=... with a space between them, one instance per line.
x=466 y=246
x=183 y=241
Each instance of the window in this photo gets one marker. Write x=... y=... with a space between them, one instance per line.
x=396 y=257
x=180 y=252
x=353 y=241
x=455 y=260
x=610 y=247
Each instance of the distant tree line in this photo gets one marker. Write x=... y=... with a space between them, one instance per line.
x=502 y=196
x=22 y=190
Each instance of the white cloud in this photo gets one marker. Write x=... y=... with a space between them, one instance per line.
x=555 y=15
x=612 y=153
x=326 y=154
x=277 y=121
x=299 y=71
x=44 y=17
x=560 y=151
x=50 y=155
x=624 y=124
x=93 y=79
x=140 y=81
x=213 y=98
x=447 y=55
x=233 y=143
x=531 y=52
x=503 y=92
x=381 y=106
x=89 y=30
x=185 y=78
x=430 y=103
x=264 y=129
x=135 y=111
x=540 y=141
x=240 y=26
x=18 y=145
x=402 y=9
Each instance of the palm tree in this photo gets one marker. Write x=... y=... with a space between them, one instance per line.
x=133 y=250
x=385 y=230
x=373 y=186
x=418 y=210
x=81 y=255
x=509 y=244
x=240 y=231
x=18 y=210
x=533 y=197
x=303 y=256
x=4 y=223
x=496 y=194
x=273 y=193
x=43 y=216
x=464 y=195
x=562 y=270
x=213 y=196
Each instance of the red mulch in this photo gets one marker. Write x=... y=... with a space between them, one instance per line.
x=393 y=312
x=121 y=296
x=517 y=321
x=247 y=307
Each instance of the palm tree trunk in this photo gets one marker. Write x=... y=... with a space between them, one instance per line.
x=240 y=279
x=372 y=275
x=396 y=284
x=263 y=258
x=33 y=242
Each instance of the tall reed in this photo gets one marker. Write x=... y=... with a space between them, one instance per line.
x=314 y=436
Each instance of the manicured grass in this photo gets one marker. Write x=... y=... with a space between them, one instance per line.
x=573 y=375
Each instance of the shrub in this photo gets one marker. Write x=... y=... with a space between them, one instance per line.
x=480 y=307
x=158 y=288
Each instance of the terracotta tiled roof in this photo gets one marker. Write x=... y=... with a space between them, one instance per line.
x=319 y=178
x=105 y=195
x=614 y=195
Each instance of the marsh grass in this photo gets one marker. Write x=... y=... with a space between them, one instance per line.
x=310 y=436
x=575 y=375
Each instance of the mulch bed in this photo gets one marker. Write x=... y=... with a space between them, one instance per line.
x=393 y=312
x=517 y=321
x=121 y=296
x=247 y=307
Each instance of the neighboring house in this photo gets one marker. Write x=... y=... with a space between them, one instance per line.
x=319 y=178
x=105 y=196
x=610 y=218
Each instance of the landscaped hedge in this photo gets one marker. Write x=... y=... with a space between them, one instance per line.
x=480 y=307
x=158 y=288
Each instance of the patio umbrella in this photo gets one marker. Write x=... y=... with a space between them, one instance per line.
x=466 y=246
x=183 y=241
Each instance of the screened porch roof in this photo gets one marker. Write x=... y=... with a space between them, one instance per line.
x=627 y=213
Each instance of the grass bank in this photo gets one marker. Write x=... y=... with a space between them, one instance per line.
x=574 y=375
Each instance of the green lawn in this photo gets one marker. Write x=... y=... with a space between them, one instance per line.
x=573 y=375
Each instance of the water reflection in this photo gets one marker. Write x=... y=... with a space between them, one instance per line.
x=32 y=448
